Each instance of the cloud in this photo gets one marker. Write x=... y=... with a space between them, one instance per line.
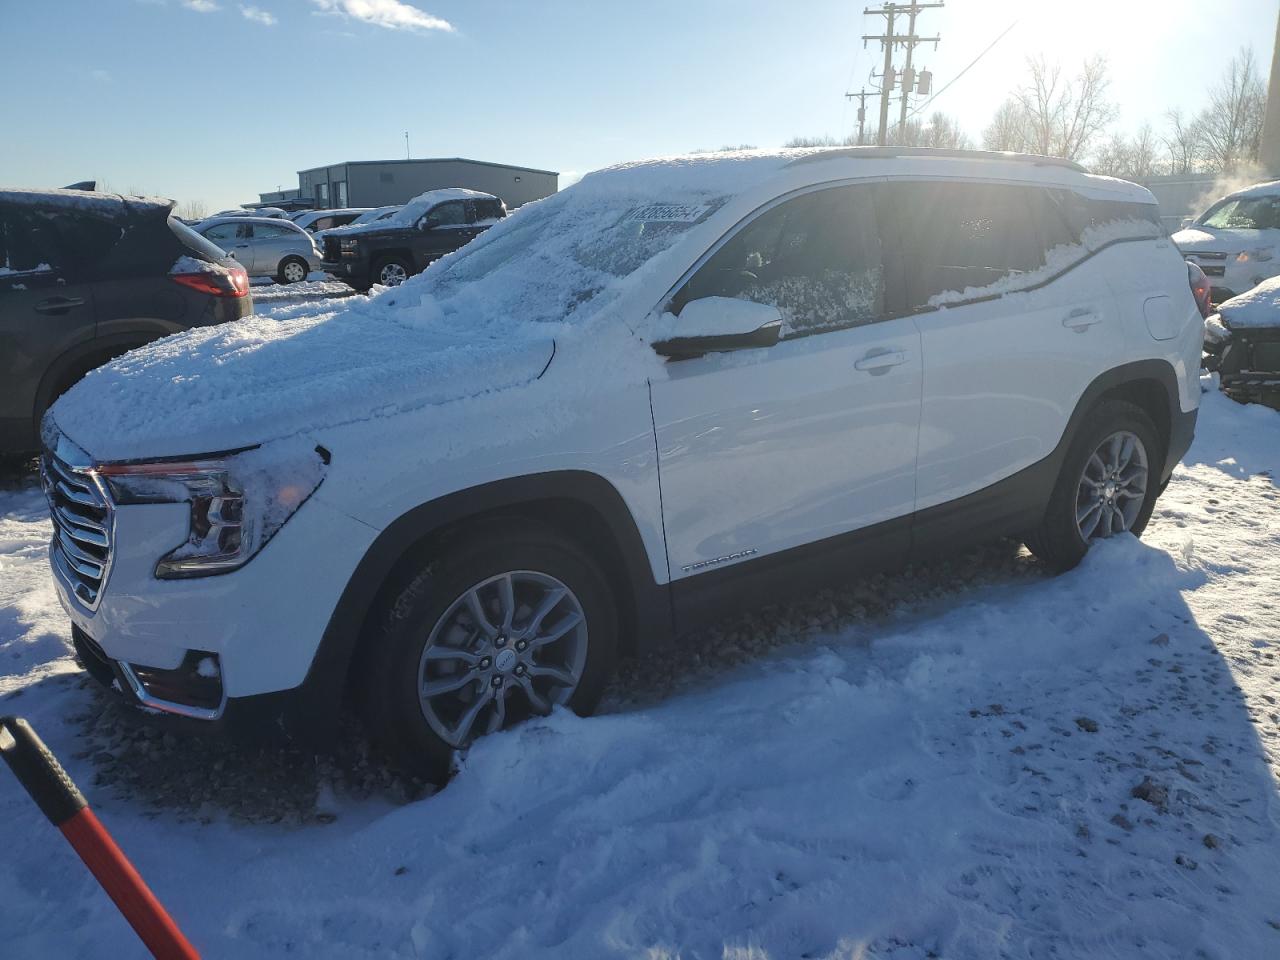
x=201 y=6
x=392 y=14
x=101 y=76
x=258 y=15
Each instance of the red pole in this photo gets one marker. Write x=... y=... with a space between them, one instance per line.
x=57 y=797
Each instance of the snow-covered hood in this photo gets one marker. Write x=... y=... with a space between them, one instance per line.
x=1199 y=239
x=260 y=379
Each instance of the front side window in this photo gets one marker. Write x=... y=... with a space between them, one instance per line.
x=270 y=231
x=488 y=209
x=1247 y=213
x=817 y=258
x=222 y=233
x=451 y=213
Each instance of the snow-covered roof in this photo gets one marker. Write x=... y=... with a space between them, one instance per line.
x=412 y=212
x=112 y=205
x=1259 y=307
x=1265 y=189
x=234 y=218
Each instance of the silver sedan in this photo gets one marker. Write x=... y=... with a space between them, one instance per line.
x=264 y=246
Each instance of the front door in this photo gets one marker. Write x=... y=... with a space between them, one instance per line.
x=236 y=239
x=445 y=228
x=761 y=451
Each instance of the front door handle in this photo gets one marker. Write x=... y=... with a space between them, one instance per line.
x=1080 y=319
x=58 y=305
x=881 y=361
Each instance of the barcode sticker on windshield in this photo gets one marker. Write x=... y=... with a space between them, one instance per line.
x=669 y=212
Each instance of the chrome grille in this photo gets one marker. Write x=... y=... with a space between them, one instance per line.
x=81 y=513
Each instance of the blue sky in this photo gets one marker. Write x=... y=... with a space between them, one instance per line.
x=216 y=100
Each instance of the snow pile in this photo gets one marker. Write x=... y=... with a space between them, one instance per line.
x=1078 y=766
x=1259 y=307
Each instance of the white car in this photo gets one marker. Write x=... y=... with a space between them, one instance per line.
x=672 y=391
x=265 y=246
x=314 y=221
x=1236 y=242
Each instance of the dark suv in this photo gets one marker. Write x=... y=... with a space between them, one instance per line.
x=422 y=231
x=85 y=277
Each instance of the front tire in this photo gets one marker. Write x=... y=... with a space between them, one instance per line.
x=292 y=270
x=391 y=272
x=1108 y=484
x=496 y=627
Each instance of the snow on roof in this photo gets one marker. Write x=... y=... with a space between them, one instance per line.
x=1265 y=189
x=1259 y=307
x=411 y=212
x=111 y=205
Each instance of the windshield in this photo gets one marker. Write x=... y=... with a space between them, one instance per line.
x=550 y=259
x=1244 y=213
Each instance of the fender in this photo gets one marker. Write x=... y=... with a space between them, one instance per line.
x=644 y=606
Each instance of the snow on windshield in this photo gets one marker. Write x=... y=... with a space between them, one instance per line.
x=572 y=255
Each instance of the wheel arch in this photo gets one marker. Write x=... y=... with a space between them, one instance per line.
x=1151 y=385
x=86 y=356
x=583 y=505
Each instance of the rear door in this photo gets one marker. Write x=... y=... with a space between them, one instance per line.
x=1009 y=343
x=760 y=451
x=46 y=307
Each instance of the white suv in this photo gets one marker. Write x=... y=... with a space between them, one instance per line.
x=676 y=389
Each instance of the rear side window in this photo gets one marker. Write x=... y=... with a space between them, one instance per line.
x=68 y=244
x=817 y=258
x=952 y=241
x=1108 y=219
x=270 y=231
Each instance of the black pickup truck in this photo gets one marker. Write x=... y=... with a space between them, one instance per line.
x=423 y=230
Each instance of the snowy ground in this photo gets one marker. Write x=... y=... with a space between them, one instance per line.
x=318 y=286
x=969 y=760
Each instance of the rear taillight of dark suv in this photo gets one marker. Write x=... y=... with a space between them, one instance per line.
x=225 y=282
x=1199 y=289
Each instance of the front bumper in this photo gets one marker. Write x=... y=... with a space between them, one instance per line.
x=354 y=272
x=256 y=630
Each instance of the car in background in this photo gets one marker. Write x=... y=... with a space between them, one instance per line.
x=1236 y=242
x=271 y=213
x=265 y=247
x=1242 y=343
x=85 y=277
x=313 y=221
x=391 y=250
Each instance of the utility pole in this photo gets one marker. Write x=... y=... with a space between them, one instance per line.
x=861 y=97
x=406 y=144
x=889 y=40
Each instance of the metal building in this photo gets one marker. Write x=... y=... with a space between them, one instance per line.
x=376 y=183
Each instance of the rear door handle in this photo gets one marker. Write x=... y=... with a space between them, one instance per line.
x=881 y=361
x=1081 y=318
x=56 y=305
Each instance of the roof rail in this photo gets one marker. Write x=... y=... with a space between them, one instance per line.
x=881 y=153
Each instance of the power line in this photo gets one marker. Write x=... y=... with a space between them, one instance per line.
x=964 y=71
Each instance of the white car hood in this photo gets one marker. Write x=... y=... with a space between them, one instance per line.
x=257 y=380
x=1199 y=239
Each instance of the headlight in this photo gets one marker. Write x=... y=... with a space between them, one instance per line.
x=348 y=244
x=238 y=502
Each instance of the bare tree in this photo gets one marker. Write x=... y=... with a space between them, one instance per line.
x=1184 y=141
x=941 y=130
x=1064 y=116
x=824 y=141
x=193 y=210
x=1231 y=126
x=1132 y=159
x=1008 y=128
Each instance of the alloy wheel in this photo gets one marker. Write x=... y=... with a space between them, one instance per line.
x=511 y=645
x=392 y=274
x=1113 y=487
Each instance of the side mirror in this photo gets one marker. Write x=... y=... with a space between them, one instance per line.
x=1187 y=222
x=717 y=324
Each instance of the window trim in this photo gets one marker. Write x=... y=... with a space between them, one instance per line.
x=664 y=303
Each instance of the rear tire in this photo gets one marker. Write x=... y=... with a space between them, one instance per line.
x=1091 y=494
x=500 y=671
x=292 y=270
